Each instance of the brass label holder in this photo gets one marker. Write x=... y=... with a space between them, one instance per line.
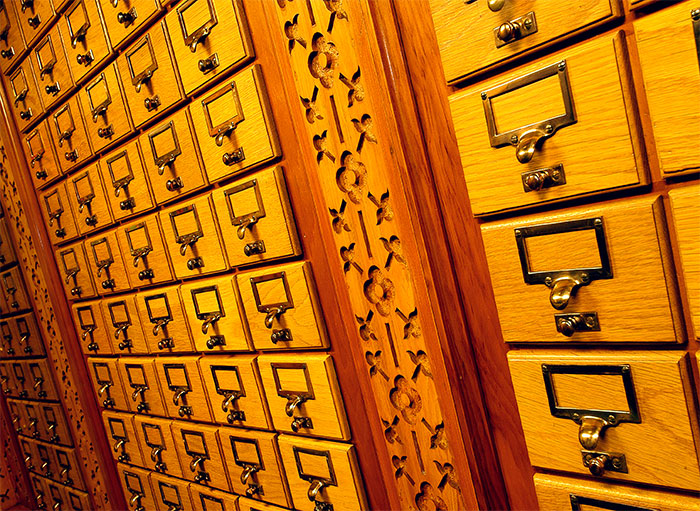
x=317 y=482
x=138 y=80
x=64 y=134
x=168 y=158
x=578 y=501
x=225 y=128
x=245 y=221
x=179 y=391
x=231 y=395
x=100 y=108
x=193 y=38
x=77 y=34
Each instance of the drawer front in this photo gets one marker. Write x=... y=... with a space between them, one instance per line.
x=163 y=318
x=208 y=37
x=172 y=158
x=124 y=17
x=148 y=76
x=55 y=494
x=18 y=417
x=212 y=311
x=122 y=319
x=7 y=380
x=235 y=391
x=13 y=288
x=69 y=134
x=24 y=380
x=40 y=155
x=171 y=493
x=140 y=381
x=25 y=94
x=137 y=487
x=686 y=219
x=121 y=435
x=254 y=465
x=55 y=424
x=88 y=200
x=321 y=472
x=193 y=238
x=12 y=46
x=84 y=37
x=145 y=257
x=537 y=150
x=68 y=471
x=34 y=17
x=31 y=419
x=77 y=500
x=303 y=395
x=500 y=30
x=41 y=384
x=630 y=400
x=29 y=340
x=281 y=307
x=73 y=267
x=533 y=259
x=234 y=125
x=245 y=504
x=183 y=391
x=7 y=251
x=198 y=447
x=104 y=108
x=51 y=68
x=256 y=218
x=204 y=499
x=57 y=213
x=125 y=182
x=92 y=330
x=157 y=445
x=8 y=340
x=31 y=459
x=672 y=83
x=107 y=384
x=106 y=263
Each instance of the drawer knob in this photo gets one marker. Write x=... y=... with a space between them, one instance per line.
x=235 y=416
x=25 y=115
x=569 y=324
x=41 y=174
x=127 y=18
x=166 y=343
x=91 y=220
x=152 y=103
x=8 y=54
x=194 y=263
x=536 y=180
x=71 y=156
x=254 y=248
x=107 y=132
x=597 y=465
x=301 y=423
x=216 y=340
x=125 y=344
x=53 y=89
x=208 y=64
x=85 y=59
x=283 y=335
x=496 y=5
x=172 y=185
x=233 y=157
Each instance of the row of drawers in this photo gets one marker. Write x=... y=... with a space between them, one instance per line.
x=296 y=393
x=41 y=421
x=52 y=461
x=28 y=378
x=52 y=495
x=20 y=337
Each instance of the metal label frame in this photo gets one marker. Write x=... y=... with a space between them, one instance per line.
x=69 y=271
x=260 y=465
x=115 y=323
x=121 y=182
x=182 y=238
x=164 y=500
x=102 y=263
x=100 y=108
x=83 y=325
x=175 y=388
x=148 y=439
x=130 y=376
x=98 y=379
x=265 y=308
x=331 y=481
x=189 y=38
x=188 y=432
x=208 y=498
x=22 y=330
x=138 y=251
x=695 y=17
x=137 y=80
x=205 y=315
x=21 y=95
x=158 y=319
x=87 y=199
x=577 y=501
x=232 y=122
x=128 y=477
x=240 y=219
x=114 y=420
x=45 y=67
x=64 y=135
x=81 y=32
x=55 y=213
x=169 y=156
x=240 y=391
x=75 y=503
x=28 y=139
x=308 y=393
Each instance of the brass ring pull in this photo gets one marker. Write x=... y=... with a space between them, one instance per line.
x=528 y=143
x=563 y=289
x=210 y=320
x=104 y=387
x=120 y=330
x=273 y=314
x=159 y=325
x=134 y=498
x=496 y=5
x=590 y=430
x=197 y=460
x=230 y=397
x=140 y=390
x=119 y=445
x=155 y=453
x=248 y=470
x=293 y=402
x=38 y=382
x=179 y=394
x=314 y=489
x=247 y=224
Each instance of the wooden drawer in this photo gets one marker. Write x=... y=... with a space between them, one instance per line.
x=254 y=465
x=581 y=258
x=57 y=213
x=281 y=307
x=632 y=401
x=171 y=493
x=40 y=490
x=235 y=390
x=40 y=155
x=34 y=18
x=205 y=499
x=209 y=37
x=41 y=383
x=11 y=46
x=193 y=238
x=25 y=95
x=146 y=258
x=140 y=382
x=122 y=318
x=137 y=488
x=474 y=36
x=157 y=445
x=124 y=17
x=8 y=341
x=303 y=395
x=212 y=311
x=51 y=68
x=55 y=494
x=163 y=318
x=7 y=251
x=172 y=159
x=672 y=84
x=256 y=219
x=200 y=454
x=107 y=384
x=28 y=335
x=104 y=109
x=84 y=38
x=125 y=181
x=106 y=263
x=69 y=134
x=148 y=76
x=13 y=288
x=91 y=328
x=536 y=160
x=28 y=450
x=121 y=435
x=88 y=200
x=55 y=424
x=322 y=472
x=18 y=417
x=30 y=418
x=7 y=380
x=77 y=500
x=73 y=266
x=245 y=504
x=183 y=391
x=237 y=119
x=685 y=207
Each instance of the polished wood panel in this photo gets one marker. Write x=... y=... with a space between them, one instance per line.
x=200 y=454
x=106 y=263
x=141 y=385
x=182 y=387
x=74 y=269
x=121 y=432
x=51 y=68
x=91 y=328
x=122 y=318
x=123 y=18
x=171 y=493
x=107 y=383
x=12 y=44
x=157 y=445
x=58 y=215
x=137 y=487
x=34 y=18
x=204 y=499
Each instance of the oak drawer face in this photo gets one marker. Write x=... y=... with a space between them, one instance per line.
x=281 y=307
x=69 y=135
x=122 y=318
x=18 y=379
x=536 y=154
x=145 y=257
x=107 y=384
x=256 y=218
x=148 y=76
x=140 y=382
x=245 y=504
x=84 y=37
x=183 y=391
x=303 y=395
x=163 y=319
x=55 y=424
x=157 y=445
x=125 y=182
x=31 y=424
x=106 y=263
x=55 y=495
x=326 y=472
x=209 y=37
x=474 y=36
x=12 y=285
x=28 y=335
x=12 y=46
x=88 y=200
x=235 y=390
x=672 y=84
x=234 y=125
x=73 y=268
x=34 y=18
x=124 y=17
x=24 y=93
x=8 y=347
x=7 y=251
x=171 y=493
x=171 y=157
x=51 y=68
x=68 y=470
x=542 y=298
x=41 y=381
x=40 y=155
x=211 y=307
x=121 y=434
x=254 y=465
x=205 y=499
x=19 y=418
x=137 y=487
x=58 y=217
x=630 y=400
x=193 y=238
x=686 y=219
x=7 y=381
x=77 y=500
x=198 y=447
x=104 y=109
x=91 y=328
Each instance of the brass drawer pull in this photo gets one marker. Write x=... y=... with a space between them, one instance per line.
x=8 y=54
x=26 y=4
x=34 y=21
x=67 y=132
x=230 y=398
x=128 y=17
x=293 y=403
x=515 y=29
x=315 y=489
x=25 y=115
x=246 y=224
x=208 y=64
x=536 y=180
x=208 y=320
x=53 y=89
x=186 y=240
x=21 y=95
x=119 y=444
x=85 y=59
x=152 y=103
x=71 y=156
x=107 y=132
x=194 y=38
x=173 y=185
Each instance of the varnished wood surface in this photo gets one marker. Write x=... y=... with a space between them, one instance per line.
x=138 y=372
x=106 y=263
x=183 y=373
x=42 y=14
x=121 y=33
x=120 y=427
x=93 y=48
x=154 y=433
x=204 y=498
x=159 y=304
x=68 y=259
x=200 y=439
x=91 y=328
x=14 y=42
x=122 y=320
x=169 y=492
